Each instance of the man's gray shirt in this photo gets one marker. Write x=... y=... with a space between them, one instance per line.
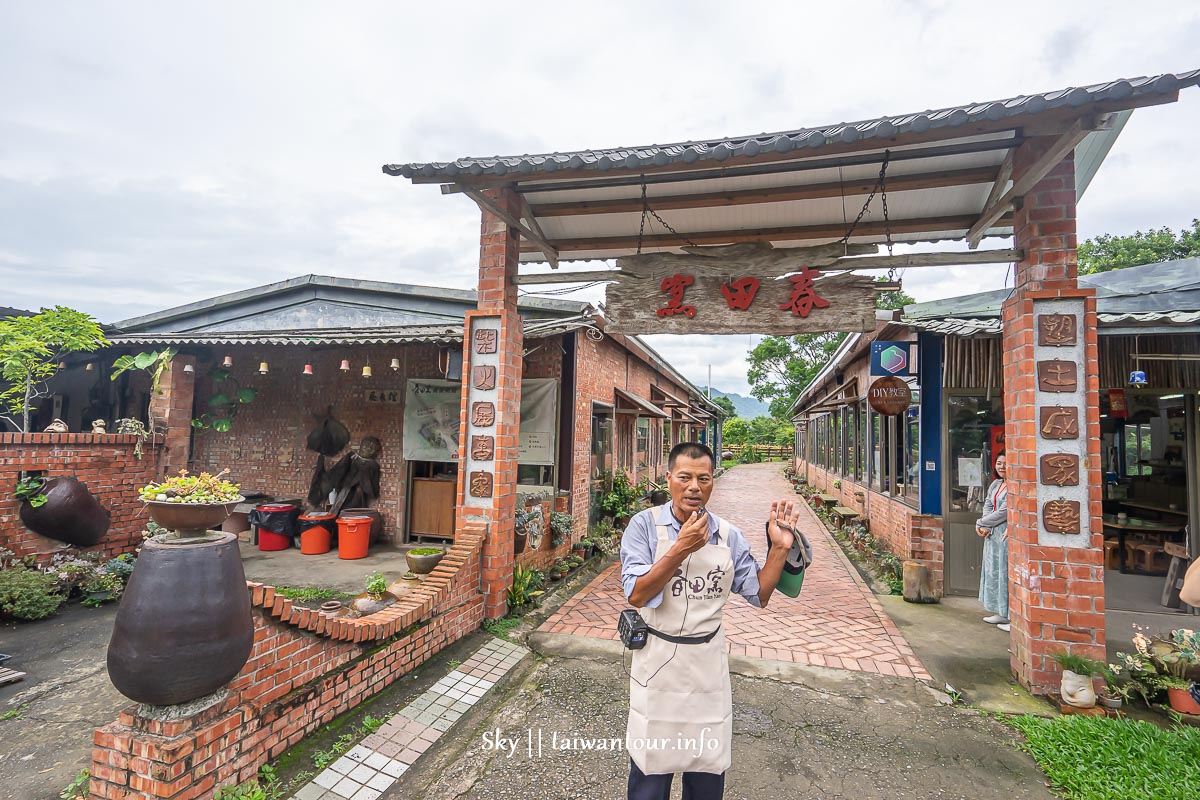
x=640 y=542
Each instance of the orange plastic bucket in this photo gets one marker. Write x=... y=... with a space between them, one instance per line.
x=354 y=537
x=316 y=532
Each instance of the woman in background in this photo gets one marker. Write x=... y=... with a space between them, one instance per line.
x=993 y=527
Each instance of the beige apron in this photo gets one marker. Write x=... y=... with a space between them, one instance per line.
x=680 y=706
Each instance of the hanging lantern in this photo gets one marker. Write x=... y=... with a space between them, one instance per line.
x=1137 y=379
x=345 y=365
x=395 y=365
x=263 y=369
x=62 y=365
x=90 y=366
x=228 y=362
x=187 y=368
x=308 y=369
x=367 y=371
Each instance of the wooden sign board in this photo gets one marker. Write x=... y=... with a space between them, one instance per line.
x=889 y=396
x=739 y=289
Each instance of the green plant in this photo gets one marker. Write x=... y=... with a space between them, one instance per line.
x=30 y=490
x=102 y=583
x=154 y=363
x=1095 y=758
x=501 y=627
x=225 y=403
x=376 y=583
x=523 y=517
x=122 y=566
x=454 y=663
x=12 y=714
x=31 y=349
x=77 y=788
x=425 y=551
x=621 y=500
x=561 y=526
x=309 y=594
x=185 y=488
x=521 y=591
x=1160 y=662
x=28 y=594
x=1078 y=664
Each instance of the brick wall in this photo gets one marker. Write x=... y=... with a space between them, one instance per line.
x=105 y=464
x=904 y=531
x=304 y=670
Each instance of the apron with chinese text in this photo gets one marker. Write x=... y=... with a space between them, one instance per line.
x=680 y=705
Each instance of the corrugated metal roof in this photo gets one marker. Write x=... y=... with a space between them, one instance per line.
x=954 y=326
x=718 y=150
x=534 y=329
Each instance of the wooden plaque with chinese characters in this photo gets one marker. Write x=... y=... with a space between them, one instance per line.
x=1061 y=516
x=1058 y=376
x=1059 y=469
x=1057 y=330
x=1059 y=422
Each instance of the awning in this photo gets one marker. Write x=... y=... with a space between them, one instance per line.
x=662 y=397
x=632 y=404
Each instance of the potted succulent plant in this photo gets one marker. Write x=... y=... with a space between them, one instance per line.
x=191 y=505
x=580 y=549
x=423 y=560
x=375 y=598
x=1076 y=686
x=560 y=528
x=1168 y=663
x=558 y=570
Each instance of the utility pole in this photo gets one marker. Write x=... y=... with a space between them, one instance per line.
x=709 y=387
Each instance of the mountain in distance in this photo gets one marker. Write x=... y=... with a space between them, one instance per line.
x=747 y=407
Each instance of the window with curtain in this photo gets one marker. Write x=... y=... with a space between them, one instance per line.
x=861 y=452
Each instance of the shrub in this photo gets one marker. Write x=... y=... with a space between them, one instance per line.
x=28 y=594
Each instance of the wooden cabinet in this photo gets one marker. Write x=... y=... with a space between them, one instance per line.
x=432 y=508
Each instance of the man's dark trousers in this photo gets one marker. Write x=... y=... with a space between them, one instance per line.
x=696 y=785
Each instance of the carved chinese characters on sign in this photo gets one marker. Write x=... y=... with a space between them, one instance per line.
x=483 y=448
x=483 y=378
x=740 y=294
x=1060 y=469
x=675 y=286
x=1057 y=330
x=1061 y=516
x=1059 y=422
x=481 y=484
x=483 y=415
x=804 y=297
x=1058 y=376
x=486 y=340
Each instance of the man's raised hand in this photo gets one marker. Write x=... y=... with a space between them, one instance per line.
x=694 y=533
x=785 y=516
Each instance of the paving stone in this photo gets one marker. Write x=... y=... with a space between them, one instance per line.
x=346 y=788
x=395 y=769
x=343 y=766
x=376 y=761
x=327 y=779
x=367 y=793
x=312 y=791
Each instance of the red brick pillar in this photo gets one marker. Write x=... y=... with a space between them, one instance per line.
x=1056 y=576
x=172 y=411
x=491 y=410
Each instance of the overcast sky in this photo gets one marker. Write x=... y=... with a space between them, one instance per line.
x=154 y=154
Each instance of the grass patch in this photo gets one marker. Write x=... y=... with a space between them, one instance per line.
x=14 y=714
x=501 y=627
x=309 y=594
x=1097 y=758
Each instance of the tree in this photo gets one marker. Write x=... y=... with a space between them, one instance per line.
x=1107 y=252
x=31 y=349
x=735 y=431
x=781 y=366
x=725 y=403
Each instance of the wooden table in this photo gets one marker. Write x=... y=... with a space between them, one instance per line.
x=1122 y=526
x=1151 y=507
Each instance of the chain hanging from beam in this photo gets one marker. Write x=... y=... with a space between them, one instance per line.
x=647 y=210
x=880 y=188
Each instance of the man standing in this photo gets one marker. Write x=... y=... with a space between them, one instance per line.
x=679 y=564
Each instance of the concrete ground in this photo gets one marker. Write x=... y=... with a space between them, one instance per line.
x=799 y=732
x=327 y=571
x=65 y=696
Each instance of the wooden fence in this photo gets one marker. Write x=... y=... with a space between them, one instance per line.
x=761 y=450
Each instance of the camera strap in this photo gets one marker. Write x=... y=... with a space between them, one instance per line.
x=705 y=639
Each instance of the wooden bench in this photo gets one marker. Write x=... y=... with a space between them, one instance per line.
x=828 y=499
x=843 y=514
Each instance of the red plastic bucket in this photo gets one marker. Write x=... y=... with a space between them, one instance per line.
x=269 y=540
x=316 y=529
x=354 y=537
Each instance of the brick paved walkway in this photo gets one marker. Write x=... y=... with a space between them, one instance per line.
x=835 y=622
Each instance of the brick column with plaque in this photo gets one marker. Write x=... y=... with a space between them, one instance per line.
x=1052 y=433
x=491 y=406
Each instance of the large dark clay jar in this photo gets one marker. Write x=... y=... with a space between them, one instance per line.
x=70 y=514
x=184 y=627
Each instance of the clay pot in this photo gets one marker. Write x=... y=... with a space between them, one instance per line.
x=70 y=514
x=366 y=603
x=402 y=586
x=183 y=629
x=1077 y=690
x=423 y=564
x=1181 y=700
x=190 y=519
x=520 y=539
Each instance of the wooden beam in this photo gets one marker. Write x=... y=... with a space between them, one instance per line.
x=1000 y=181
x=832 y=230
x=539 y=244
x=1063 y=146
x=780 y=194
x=955 y=259
x=551 y=254
x=578 y=276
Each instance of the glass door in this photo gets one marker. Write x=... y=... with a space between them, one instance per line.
x=970 y=420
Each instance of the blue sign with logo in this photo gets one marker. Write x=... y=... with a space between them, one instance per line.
x=894 y=358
